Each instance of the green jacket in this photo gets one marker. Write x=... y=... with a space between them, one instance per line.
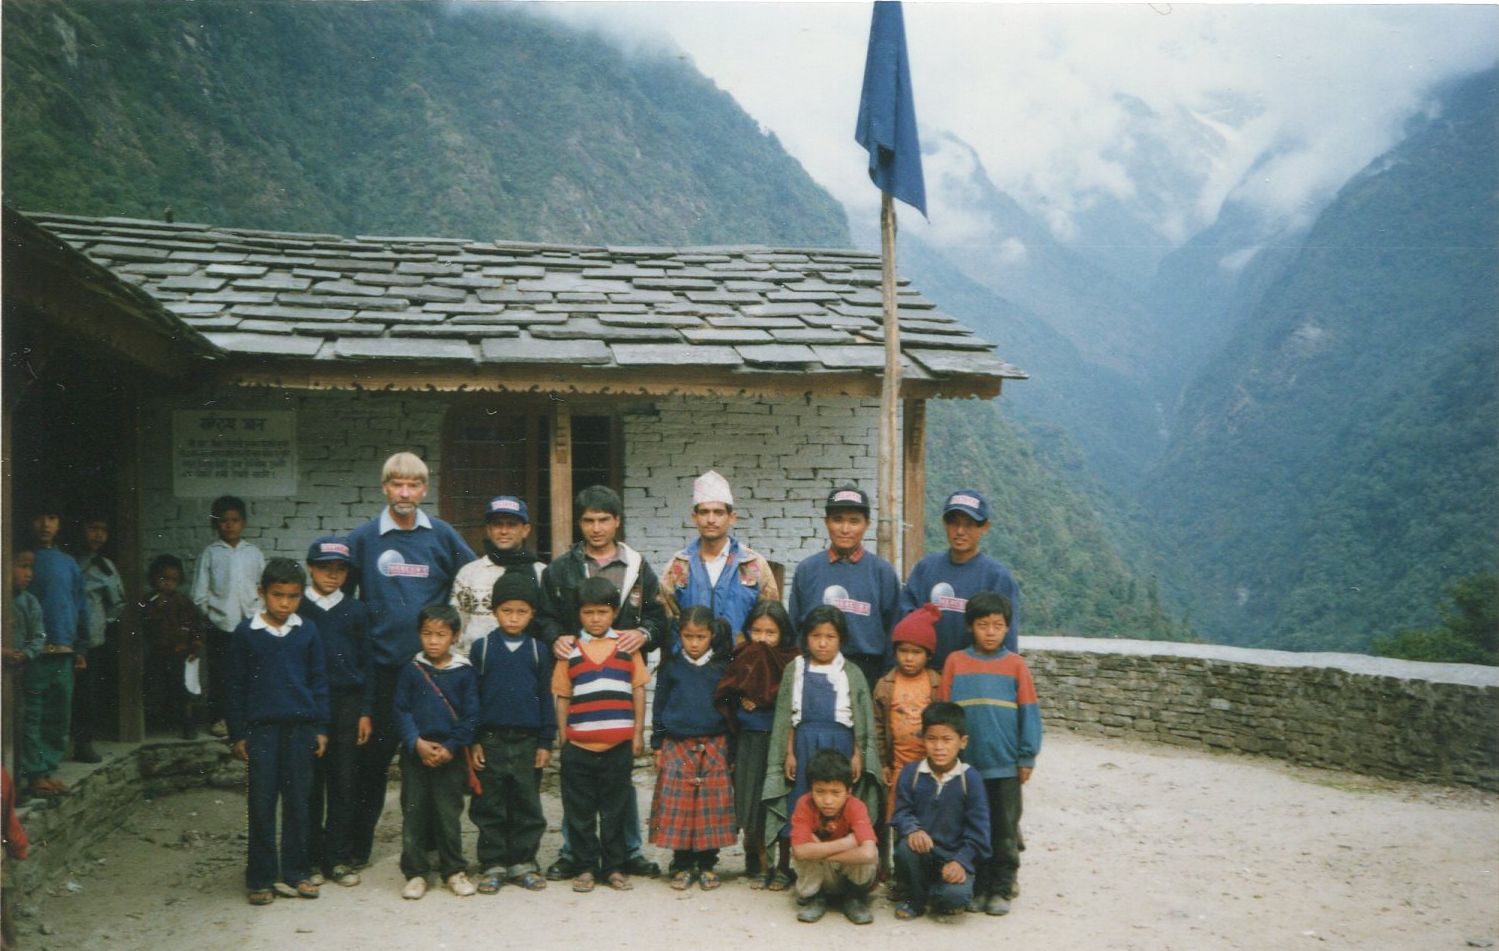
x=868 y=787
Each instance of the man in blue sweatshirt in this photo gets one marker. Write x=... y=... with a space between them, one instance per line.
x=858 y=582
x=949 y=578
x=405 y=560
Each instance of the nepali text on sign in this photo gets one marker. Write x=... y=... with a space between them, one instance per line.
x=218 y=452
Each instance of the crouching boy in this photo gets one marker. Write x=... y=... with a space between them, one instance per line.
x=832 y=842
x=941 y=819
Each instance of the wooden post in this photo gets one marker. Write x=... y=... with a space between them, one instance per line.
x=913 y=498
x=561 y=479
x=889 y=472
x=130 y=510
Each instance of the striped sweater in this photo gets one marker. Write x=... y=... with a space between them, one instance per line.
x=1004 y=722
x=599 y=680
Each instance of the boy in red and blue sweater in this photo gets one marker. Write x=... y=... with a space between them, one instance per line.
x=278 y=723
x=993 y=686
x=600 y=692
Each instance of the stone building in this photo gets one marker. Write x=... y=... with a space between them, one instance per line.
x=521 y=368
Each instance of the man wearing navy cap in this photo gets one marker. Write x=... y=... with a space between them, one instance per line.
x=507 y=526
x=948 y=579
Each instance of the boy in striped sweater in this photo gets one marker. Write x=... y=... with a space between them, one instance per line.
x=600 y=692
x=993 y=686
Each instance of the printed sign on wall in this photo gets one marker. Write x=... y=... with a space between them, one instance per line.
x=218 y=452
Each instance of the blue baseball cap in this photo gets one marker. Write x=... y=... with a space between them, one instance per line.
x=329 y=549
x=507 y=505
x=970 y=502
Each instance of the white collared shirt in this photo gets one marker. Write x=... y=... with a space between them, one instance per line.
x=259 y=623
x=701 y=661
x=225 y=586
x=388 y=521
x=925 y=766
x=325 y=601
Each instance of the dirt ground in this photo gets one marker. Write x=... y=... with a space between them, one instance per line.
x=1130 y=846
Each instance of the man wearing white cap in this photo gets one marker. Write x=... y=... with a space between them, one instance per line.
x=715 y=570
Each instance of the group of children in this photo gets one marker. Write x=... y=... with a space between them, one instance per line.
x=779 y=737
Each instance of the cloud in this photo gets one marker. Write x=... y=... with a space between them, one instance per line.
x=1165 y=108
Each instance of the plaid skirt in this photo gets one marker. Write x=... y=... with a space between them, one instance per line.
x=694 y=804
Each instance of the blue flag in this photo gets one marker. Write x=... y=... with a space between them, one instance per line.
x=887 y=111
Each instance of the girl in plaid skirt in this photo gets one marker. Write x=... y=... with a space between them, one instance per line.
x=692 y=812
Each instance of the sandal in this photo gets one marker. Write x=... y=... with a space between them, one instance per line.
x=758 y=880
x=708 y=880
x=682 y=880
x=583 y=883
x=489 y=883
x=261 y=896
x=905 y=911
x=779 y=882
x=306 y=889
x=619 y=881
x=531 y=881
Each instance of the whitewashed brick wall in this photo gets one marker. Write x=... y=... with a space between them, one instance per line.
x=781 y=456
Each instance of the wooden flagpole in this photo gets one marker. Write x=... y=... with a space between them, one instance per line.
x=888 y=533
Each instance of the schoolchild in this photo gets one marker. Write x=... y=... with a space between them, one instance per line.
x=31 y=640
x=224 y=587
x=899 y=698
x=941 y=819
x=832 y=842
x=853 y=579
x=993 y=686
x=436 y=705
x=174 y=630
x=57 y=585
x=278 y=724
x=517 y=726
x=692 y=812
x=106 y=600
x=507 y=528
x=746 y=695
x=344 y=625
x=824 y=703
x=600 y=691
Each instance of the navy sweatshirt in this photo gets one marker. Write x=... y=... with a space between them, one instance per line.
x=955 y=814
x=401 y=572
x=345 y=633
x=866 y=590
x=936 y=579
x=684 y=700
x=276 y=679
x=422 y=714
x=515 y=686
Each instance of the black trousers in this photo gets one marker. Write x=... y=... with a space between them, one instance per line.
x=596 y=794
x=372 y=771
x=998 y=873
x=431 y=809
x=508 y=811
x=331 y=809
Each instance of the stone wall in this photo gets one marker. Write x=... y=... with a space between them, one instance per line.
x=1400 y=719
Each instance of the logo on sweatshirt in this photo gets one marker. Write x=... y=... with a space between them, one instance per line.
x=837 y=596
x=392 y=565
x=946 y=599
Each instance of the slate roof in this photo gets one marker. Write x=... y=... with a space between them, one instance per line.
x=322 y=297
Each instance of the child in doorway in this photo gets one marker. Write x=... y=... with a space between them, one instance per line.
x=105 y=595
x=30 y=636
x=436 y=704
x=278 y=723
x=224 y=590
x=899 y=698
x=824 y=703
x=57 y=585
x=174 y=630
x=343 y=624
x=941 y=819
x=600 y=692
x=517 y=725
x=692 y=812
x=832 y=842
x=746 y=695
x=993 y=686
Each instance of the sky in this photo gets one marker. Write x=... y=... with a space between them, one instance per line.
x=1167 y=107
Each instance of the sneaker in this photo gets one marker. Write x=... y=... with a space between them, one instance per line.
x=345 y=876
x=812 y=909
x=307 y=888
x=905 y=911
x=997 y=904
x=561 y=869
x=976 y=903
x=856 y=909
x=85 y=753
x=316 y=878
x=219 y=729
x=459 y=885
x=416 y=887
x=641 y=866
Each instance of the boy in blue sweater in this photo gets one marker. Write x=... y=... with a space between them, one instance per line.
x=941 y=819
x=278 y=723
x=436 y=704
x=517 y=726
x=57 y=584
x=343 y=625
x=858 y=582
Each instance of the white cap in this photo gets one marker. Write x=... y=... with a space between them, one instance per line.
x=711 y=487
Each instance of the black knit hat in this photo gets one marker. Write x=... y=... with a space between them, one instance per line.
x=517 y=585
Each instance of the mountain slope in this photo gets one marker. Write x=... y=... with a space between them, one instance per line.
x=1334 y=466
x=467 y=120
